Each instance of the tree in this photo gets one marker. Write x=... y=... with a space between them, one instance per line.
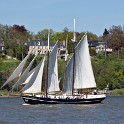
x=18 y=28
x=43 y=34
x=14 y=38
x=116 y=37
x=106 y=32
x=65 y=29
x=108 y=71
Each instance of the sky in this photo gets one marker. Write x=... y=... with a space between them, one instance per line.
x=90 y=15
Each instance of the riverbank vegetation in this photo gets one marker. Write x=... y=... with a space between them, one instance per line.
x=117 y=92
x=105 y=70
x=107 y=67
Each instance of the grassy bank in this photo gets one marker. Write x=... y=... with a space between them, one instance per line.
x=117 y=92
x=5 y=93
x=105 y=70
x=8 y=64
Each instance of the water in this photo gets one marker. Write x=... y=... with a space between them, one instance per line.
x=111 y=111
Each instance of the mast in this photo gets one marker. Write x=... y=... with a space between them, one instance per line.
x=73 y=72
x=74 y=32
x=66 y=46
x=46 y=84
x=73 y=59
x=48 y=38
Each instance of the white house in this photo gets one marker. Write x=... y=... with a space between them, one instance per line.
x=99 y=46
x=41 y=47
x=2 y=47
x=103 y=48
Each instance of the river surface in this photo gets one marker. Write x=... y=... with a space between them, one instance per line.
x=14 y=111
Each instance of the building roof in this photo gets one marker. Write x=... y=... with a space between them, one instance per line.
x=60 y=44
x=43 y=43
x=39 y=43
x=94 y=43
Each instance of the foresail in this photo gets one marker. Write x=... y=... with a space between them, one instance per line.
x=35 y=83
x=83 y=73
x=24 y=75
x=17 y=71
x=53 y=83
x=69 y=76
x=29 y=76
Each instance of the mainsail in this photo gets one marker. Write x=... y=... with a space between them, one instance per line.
x=24 y=76
x=17 y=71
x=69 y=76
x=53 y=83
x=83 y=73
x=35 y=83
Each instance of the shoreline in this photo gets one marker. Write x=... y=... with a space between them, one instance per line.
x=9 y=94
x=14 y=95
x=18 y=95
x=5 y=93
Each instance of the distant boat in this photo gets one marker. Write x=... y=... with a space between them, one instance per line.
x=78 y=76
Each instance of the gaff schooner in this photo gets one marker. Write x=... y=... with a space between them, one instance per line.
x=78 y=77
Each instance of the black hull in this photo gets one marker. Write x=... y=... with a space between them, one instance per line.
x=40 y=100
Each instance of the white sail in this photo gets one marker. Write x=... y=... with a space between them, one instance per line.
x=35 y=83
x=29 y=76
x=17 y=71
x=83 y=73
x=53 y=83
x=69 y=76
x=24 y=75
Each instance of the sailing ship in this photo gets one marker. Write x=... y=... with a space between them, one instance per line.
x=79 y=78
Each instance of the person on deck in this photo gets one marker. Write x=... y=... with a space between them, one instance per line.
x=95 y=92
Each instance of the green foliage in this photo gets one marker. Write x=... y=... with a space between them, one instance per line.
x=6 y=68
x=8 y=65
x=121 y=53
x=10 y=52
x=14 y=38
x=92 y=52
x=92 y=36
x=1 y=61
x=105 y=71
x=61 y=70
x=117 y=92
x=43 y=34
x=109 y=71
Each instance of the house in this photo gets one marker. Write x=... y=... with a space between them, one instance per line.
x=2 y=47
x=41 y=47
x=62 y=51
x=103 y=47
x=99 y=46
